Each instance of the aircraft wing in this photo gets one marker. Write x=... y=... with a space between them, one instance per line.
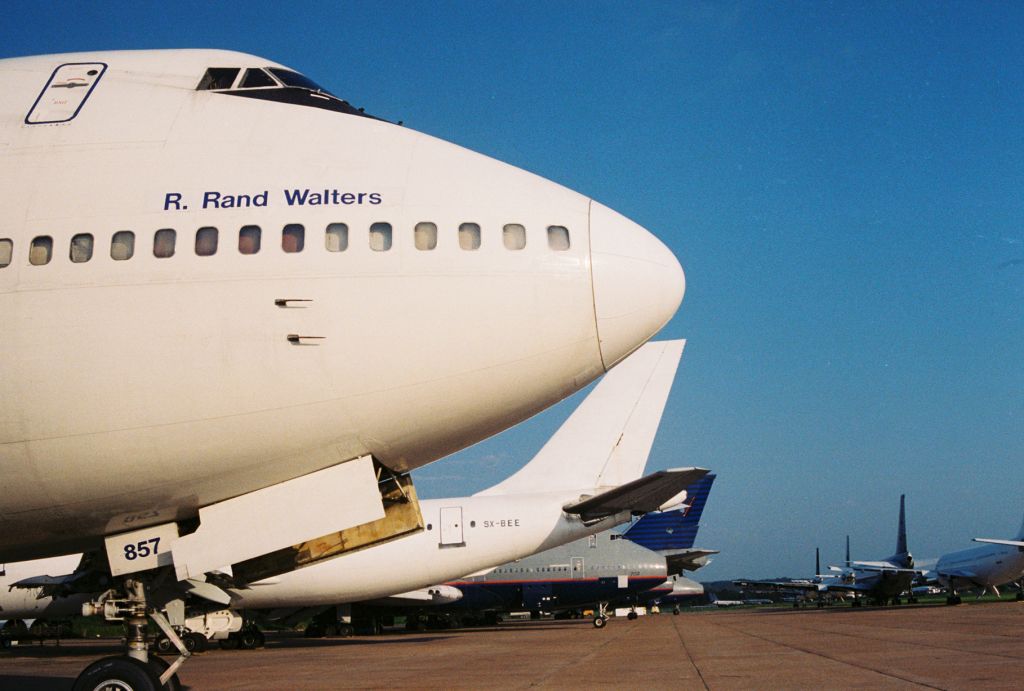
x=1010 y=543
x=880 y=567
x=958 y=573
x=644 y=494
x=688 y=560
x=432 y=595
x=783 y=585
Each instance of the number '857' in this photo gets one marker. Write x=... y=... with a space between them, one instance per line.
x=141 y=549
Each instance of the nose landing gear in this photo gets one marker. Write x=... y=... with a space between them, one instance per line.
x=136 y=670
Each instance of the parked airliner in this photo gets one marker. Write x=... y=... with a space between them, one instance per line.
x=623 y=569
x=881 y=581
x=228 y=294
x=982 y=568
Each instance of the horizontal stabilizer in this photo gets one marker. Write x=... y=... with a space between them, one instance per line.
x=688 y=560
x=46 y=581
x=644 y=494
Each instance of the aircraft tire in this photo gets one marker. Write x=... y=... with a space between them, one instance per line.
x=600 y=622
x=195 y=642
x=248 y=639
x=118 y=672
x=160 y=666
x=163 y=646
x=632 y=615
x=675 y=611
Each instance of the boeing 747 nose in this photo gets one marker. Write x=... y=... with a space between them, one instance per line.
x=638 y=283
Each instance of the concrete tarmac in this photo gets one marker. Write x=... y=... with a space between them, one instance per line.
x=967 y=647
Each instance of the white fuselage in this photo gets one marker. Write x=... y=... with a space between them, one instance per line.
x=138 y=390
x=990 y=565
x=474 y=533
x=495 y=530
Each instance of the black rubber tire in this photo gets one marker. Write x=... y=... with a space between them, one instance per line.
x=163 y=646
x=160 y=665
x=600 y=622
x=117 y=673
x=195 y=642
x=248 y=639
x=632 y=615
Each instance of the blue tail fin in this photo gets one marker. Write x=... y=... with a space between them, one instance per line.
x=673 y=529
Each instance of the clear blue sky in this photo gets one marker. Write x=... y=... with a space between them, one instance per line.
x=843 y=183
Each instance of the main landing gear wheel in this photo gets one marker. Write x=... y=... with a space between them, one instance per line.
x=194 y=642
x=599 y=622
x=118 y=673
x=250 y=639
x=163 y=646
x=632 y=615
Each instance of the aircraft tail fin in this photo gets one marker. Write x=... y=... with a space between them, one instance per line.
x=676 y=529
x=817 y=560
x=902 y=556
x=1020 y=533
x=901 y=535
x=606 y=440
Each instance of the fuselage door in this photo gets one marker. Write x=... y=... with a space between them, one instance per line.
x=451 y=527
x=65 y=93
x=577 y=568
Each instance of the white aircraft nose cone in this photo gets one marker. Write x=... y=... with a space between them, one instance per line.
x=638 y=283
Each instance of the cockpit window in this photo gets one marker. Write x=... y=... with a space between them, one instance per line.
x=289 y=78
x=278 y=85
x=218 y=78
x=256 y=78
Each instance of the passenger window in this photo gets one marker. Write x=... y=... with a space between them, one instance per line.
x=469 y=236
x=122 y=245
x=514 y=236
x=206 y=241
x=425 y=235
x=558 y=238
x=218 y=78
x=336 y=239
x=249 y=239
x=41 y=250
x=293 y=237
x=255 y=78
x=380 y=237
x=6 y=252
x=81 y=248
x=163 y=243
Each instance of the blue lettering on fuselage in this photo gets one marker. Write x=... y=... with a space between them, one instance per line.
x=219 y=200
x=291 y=196
x=329 y=197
